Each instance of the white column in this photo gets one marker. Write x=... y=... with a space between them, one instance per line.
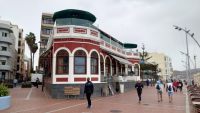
x=121 y=68
x=104 y=67
x=116 y=68
x=111 y=68
x=99 y=69
x=126 y=69
x=88 y=73
x=71 y=69
x=54 y=69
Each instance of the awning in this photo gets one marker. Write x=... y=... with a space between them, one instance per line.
x=121 y=60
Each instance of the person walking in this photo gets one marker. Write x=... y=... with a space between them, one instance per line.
x=170 y=91
x=15 y=82
x=37 y=82
x=180 y=85
x=159 y=88
x=147 y=82
x=88 y=90
x=139 y=87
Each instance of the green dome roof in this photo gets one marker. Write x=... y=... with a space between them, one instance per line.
x=74 y=13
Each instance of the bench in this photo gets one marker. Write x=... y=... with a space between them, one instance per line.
x=71 y=91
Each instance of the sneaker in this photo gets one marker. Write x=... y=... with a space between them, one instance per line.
x=89 y=107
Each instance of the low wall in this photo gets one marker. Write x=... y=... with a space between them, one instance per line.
x=57 y=90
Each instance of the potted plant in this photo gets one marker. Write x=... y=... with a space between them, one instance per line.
x=5 y=99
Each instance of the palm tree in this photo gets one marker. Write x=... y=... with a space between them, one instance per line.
x=30 y=40
x=34 y=49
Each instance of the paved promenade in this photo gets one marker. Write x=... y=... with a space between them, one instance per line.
x=34 y=101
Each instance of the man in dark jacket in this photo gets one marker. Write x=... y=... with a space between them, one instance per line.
x=88 y=91
x=139 y=87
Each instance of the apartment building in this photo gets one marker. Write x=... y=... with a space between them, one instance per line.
x=46 y=30
x=11 y=51
x=20 y=53
x=164 y=64
x=8 y=53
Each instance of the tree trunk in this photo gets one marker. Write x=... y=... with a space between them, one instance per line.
x=31 y=63
x=33 y=59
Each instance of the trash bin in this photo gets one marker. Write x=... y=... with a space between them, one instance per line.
x=121 y=88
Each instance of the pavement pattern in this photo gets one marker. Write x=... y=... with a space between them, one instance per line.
x=33 y=100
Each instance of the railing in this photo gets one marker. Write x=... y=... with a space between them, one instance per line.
x=117 y=50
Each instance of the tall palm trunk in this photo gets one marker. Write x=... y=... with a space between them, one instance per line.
x=33 y=59
x=31 y=63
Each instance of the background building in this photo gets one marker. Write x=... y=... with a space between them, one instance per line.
x=164 y=64
x=11 y=51
x=46 y=30
x=77 y=49
x=8 y=53
x=20 y=42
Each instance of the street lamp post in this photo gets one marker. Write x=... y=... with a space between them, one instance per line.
x=186 y=65
x=188 y=61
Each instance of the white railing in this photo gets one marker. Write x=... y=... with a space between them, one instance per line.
x=122 y=52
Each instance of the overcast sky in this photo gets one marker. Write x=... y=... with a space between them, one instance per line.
x=137 y=21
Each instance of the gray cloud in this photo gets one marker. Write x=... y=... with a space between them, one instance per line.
x=138 y=21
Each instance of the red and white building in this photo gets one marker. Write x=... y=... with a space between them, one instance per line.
x=77 y=50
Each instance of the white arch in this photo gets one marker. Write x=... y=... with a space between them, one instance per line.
x=138 y=69
x=54 y=62
x=108 y=57
x=94 y=50
x=64 y=48
x=101 y=54
x=80 y=48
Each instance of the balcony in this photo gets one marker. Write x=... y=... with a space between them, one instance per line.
x=76 y=32
x=5 y=67
x=117 y=50
x=6 y=40
x=5 y=53
x=47 y=25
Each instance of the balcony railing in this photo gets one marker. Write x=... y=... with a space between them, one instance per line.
x=5 y=67
x=6 y=39
x=120 y=51
x=5 y=53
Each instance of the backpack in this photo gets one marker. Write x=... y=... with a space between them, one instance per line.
x=157 y=87
x=169 y=88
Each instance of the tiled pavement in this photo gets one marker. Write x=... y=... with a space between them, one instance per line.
x=35 y=101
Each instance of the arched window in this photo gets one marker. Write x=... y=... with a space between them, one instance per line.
x=102 y=64
x=113 y=66
x=80 y=62
x=94 y=63
x=107 y=69
x=62 y=62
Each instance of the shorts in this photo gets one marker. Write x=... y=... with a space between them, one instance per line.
x=170 y=93
x=160 y=91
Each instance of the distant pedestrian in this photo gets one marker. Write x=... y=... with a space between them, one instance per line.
x=15 y=82
x=88 y=90
x=159 y=89
x=139 y=87
x=37 y=82
x=147 y=82
x=170 y=91
x=180 y=85
x=175 y=85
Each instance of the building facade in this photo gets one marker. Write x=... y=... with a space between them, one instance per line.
x=11 y=52
x=77 y=50
x=164 y=65
x=46 y=30
x=20 y=54
x=8 y=53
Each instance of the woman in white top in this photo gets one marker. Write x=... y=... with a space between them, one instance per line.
x=159 y=88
